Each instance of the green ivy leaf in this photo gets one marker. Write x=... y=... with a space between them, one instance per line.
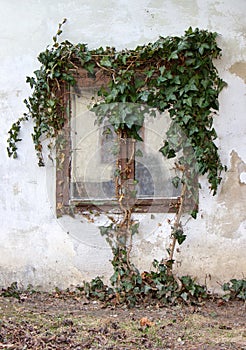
x=179 y=235
x=176 y=181
x=134 y=228
x=90 y=67
x=106 y=62
x=173 y=56
x=139 y=153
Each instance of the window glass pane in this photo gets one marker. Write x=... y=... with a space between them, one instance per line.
x=94 y=155
x=153 y=171
x=92 y=162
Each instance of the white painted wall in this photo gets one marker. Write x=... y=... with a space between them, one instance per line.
x=37 y=248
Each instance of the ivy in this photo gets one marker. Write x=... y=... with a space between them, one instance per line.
x=173 y=74
x=235 y=289
x=133 y=288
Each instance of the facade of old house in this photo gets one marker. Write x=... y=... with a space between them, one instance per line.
x=40 y=249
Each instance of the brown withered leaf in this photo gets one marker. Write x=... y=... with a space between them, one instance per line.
x=145 y=322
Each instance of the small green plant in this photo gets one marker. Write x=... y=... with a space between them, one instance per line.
x=15 y=291
x=130 y=287
x=96 y=289
x=12 y=291
x=235 y=289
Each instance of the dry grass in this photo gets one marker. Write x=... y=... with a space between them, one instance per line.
x=64 y=321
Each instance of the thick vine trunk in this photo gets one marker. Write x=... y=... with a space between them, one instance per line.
x=176 y=225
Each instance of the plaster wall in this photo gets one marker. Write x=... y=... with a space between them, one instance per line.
x=38 y=248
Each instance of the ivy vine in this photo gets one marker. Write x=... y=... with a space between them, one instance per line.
x=174 y=74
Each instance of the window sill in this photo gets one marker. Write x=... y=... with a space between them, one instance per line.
x=148 y=205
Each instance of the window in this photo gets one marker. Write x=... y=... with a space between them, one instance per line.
x=90 y=156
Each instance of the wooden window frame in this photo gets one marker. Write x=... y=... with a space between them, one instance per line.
x=64 y=205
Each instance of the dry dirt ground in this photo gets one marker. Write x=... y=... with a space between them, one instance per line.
x=64 y=321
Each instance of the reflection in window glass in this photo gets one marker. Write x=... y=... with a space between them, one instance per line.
x=94 y=156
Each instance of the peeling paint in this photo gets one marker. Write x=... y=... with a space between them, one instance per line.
x=231 y=199
x=239 y=68
x=243 y=178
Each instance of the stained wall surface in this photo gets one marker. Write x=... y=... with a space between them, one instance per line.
x=38 y=248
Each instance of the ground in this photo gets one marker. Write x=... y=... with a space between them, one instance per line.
x=70 y=321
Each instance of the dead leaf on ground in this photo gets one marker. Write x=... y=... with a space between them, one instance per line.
x=145 y=322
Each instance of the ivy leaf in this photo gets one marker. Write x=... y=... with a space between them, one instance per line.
x=114 y=93
x=191 y=87
x=189 y=31
x=133 y=132
x=188 y=101
x=104 y=230
x=176 y=80
x=144 y=95
x=170 y=95
x=203 y=47
x=171 y=154
x=162 y=69
x=139 y=153
x=167 y=151
x=179 y=235
x=106 y=62
x=134 y=228
x=90 y=67
x=130 y=120
x=176 y=181
x=194 y=213
x=186 y=118
x=149 y=73
x=139 y=83
x=173 y=56
x=31 y=81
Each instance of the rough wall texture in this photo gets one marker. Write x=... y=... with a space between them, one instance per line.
x=37 y=248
